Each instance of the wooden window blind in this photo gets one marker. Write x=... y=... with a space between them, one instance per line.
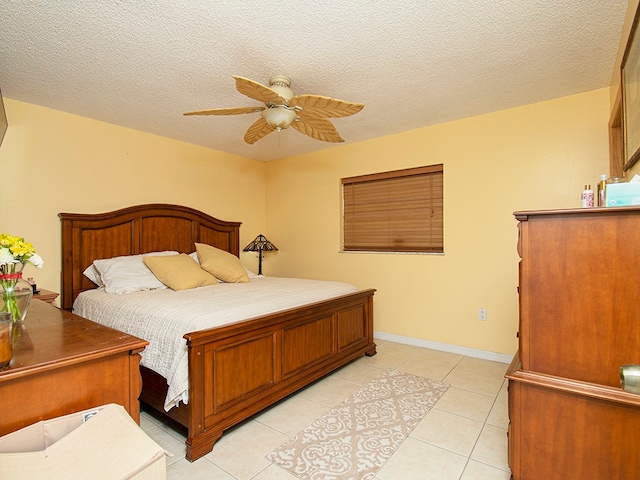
x=399 y=211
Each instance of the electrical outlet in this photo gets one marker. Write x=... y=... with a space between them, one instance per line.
x=482 y=314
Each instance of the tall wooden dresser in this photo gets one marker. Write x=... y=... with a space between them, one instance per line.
x=579 y=287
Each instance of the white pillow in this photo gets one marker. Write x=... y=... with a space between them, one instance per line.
x=128 y=273
x=250 y=274
x=92 y=274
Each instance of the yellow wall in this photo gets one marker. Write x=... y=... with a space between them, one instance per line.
x=56 y=162
x=537 y=156
x=533 y=157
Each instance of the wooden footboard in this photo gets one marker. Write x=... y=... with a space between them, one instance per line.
x=237 y=370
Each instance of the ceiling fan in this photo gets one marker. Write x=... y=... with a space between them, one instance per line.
x=308 y=114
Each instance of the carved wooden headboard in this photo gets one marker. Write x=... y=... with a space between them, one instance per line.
x=134 y=230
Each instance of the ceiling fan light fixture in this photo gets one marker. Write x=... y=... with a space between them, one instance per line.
x=282 y=108
x=279 y=117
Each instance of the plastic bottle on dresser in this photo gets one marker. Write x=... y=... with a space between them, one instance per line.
x=602 y=186
x=587 y=197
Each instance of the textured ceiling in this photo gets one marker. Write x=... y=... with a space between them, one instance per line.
x=141 y=64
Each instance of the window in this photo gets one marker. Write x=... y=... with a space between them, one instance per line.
x=399 y=211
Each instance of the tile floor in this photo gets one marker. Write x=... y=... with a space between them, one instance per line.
x=464 y=437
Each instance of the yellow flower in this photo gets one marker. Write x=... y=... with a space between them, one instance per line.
x=15 y=250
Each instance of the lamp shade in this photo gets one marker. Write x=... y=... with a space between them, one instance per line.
x=260 y=243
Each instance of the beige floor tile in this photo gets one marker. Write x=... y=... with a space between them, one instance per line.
x=421 y=461
x=474 y=382
x=292 y=415
x=504 y=390
x=431 y=364
x=467 y=404
x=483 y=367
x=391 y=355
x=241 y=451
x=181 y=435
x=148 y=422
x=330 y=391
x=273 y=472
x=169 y=442
x=499 y=415
x=491 y=448
x=480 y=471
x=430 y=355
x=199 y=470
x=451 y=432
x=386 y=360
x=430 y=369
x=357 y=372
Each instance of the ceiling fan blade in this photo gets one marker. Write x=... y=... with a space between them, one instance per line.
x=257 y=91
x=317 y=127
x=325 y=106
x=258 y=129
x=227 y=111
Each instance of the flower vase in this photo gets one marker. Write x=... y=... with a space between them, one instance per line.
x=16 y=295
x=6 y=342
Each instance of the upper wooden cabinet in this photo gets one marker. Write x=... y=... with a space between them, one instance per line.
x=580 y=292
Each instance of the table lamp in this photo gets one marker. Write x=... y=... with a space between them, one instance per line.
x=259 y=244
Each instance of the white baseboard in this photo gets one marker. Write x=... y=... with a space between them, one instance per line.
x=445 y=347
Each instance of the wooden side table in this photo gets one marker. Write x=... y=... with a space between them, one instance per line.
x=46 y=296
x=63 y=363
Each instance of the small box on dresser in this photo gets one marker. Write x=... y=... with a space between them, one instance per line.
x=623 y=194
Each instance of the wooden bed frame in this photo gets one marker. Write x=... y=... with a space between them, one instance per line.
x=235 y=370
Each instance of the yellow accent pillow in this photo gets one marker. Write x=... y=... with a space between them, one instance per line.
x=223 y=265
x=179 y=272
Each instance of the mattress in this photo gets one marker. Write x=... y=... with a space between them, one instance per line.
x=163 y=317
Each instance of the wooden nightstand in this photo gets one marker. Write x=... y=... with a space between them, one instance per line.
x=46 y=296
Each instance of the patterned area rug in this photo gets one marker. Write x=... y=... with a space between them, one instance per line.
x=357 y=437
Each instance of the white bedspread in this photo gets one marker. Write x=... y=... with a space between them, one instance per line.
x=162 y=317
